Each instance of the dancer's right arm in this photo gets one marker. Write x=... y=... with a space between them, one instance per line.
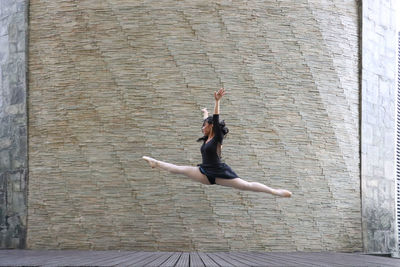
x=205 y=113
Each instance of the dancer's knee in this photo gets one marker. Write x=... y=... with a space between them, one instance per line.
x=185 y=170
x=176 y=169
x=244 y=185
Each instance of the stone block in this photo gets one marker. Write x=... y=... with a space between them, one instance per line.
x=21 y=41
x=15 y=109
x=8 y=7
x=389 y=68
x=12 y=30
x=12 y=48
x=5 y=161
x=4 y=49
x=9 y=75
x=5 y=143
x=17 y=93
x=21 y=69
x=21 y=7
x=18 y=204
x=367 y=134
x=384 y=88
x=5 y=128
x=4 y=21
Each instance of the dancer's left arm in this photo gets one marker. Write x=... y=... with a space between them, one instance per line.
x=218 y=95
x=216 y=128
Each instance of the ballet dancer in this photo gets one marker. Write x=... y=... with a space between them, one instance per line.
x=212 y=170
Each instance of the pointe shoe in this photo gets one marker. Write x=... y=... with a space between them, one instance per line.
x=152 y=162
x=283 y=193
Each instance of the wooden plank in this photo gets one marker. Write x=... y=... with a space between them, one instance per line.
x=172 y=260
x=226 y=258
x=362 y=259
x=160 y=260
x=244 y=260
x=124 y=258
x=60 y=256
x=110 y=259
x=207 y=260
x=265 y=258
x=20 y=259
x=285 y=260
x=183 y=260
x=311 y=257
x=152 y=256
x=73 y=258
x=218 y=260
x=195 y=260
x=27 y=257
x=342 y=259
x=135 y=257
x=253 y=261
x=131 y=261
x=90 y=257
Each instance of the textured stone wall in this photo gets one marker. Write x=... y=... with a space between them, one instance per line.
x=13 y=124
x=379 y=44
x=111 y=81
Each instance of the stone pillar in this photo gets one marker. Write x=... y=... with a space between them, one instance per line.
x=13 y=123
x=378 y=126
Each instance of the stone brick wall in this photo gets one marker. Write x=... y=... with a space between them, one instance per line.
x=379 y=44
x=13 y=124
x=111 y=81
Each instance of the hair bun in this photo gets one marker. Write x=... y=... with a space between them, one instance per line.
x=224 y=129
x=222 y=126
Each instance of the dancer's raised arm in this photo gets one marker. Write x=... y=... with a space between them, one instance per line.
x=218 y=95
x=205 y=113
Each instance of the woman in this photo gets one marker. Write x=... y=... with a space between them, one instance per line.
x=212 y=170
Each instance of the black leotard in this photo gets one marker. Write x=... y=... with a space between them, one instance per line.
x=212 y=166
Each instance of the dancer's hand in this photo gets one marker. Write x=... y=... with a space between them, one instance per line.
x=218 y=95
x=205 y=113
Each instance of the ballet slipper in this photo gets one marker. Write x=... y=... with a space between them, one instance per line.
x=283 y=193
x=152 y=162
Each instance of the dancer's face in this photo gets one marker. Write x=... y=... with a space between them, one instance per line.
x=206 y=128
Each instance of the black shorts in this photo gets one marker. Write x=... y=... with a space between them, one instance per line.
x=220 y=170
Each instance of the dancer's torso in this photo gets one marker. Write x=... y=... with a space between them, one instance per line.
x=211 y=150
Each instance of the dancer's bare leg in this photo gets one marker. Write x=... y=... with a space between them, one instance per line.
x=252 y=186
x=190 y=171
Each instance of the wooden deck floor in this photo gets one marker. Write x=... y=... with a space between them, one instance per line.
x=129 y=258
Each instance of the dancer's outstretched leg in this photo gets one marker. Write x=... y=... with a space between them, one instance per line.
x=252 y=186
x=191 y=172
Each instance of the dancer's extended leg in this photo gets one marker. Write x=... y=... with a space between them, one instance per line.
x=252 y=186
x=191 y=172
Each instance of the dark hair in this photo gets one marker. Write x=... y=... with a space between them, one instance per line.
x=222 y=126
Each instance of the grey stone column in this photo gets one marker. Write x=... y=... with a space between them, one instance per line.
x=378 y=127
x=13 y=123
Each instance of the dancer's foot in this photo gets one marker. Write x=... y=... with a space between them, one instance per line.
x=152 y=162
x=282 y=193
